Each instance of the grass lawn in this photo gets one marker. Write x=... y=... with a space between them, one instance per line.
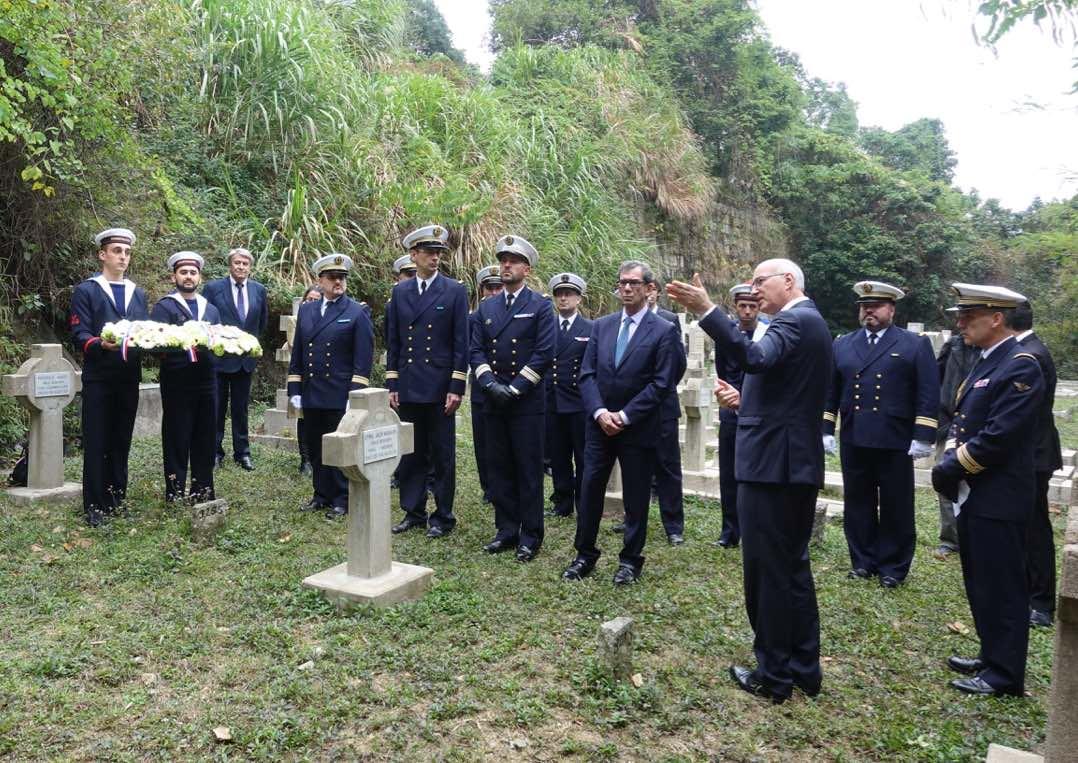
x=130 y=642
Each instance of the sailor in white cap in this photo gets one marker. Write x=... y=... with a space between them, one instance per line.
x=512 y=345
x=988 y=471
x=404 y=267
x=426 y=373
x=489 y=283
x=732 y=377
x=885 y=385
x=110 y=379
x=332 y=354
x=188 y=387
x=564 y=408
x=242 y=302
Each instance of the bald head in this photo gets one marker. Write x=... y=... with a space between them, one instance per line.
x=776 y=282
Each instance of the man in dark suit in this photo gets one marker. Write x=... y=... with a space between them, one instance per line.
x=241 y=302
x=1047 y=457
x=489 y=283
x=886 y=386
x=564 y=408
x=426 y=372
x=188 y=387
x=632 y=363
x=110 y=378
x=668 y=482
x=332 y=354
x=988 y=471
x=779 y=470
x=512 y=346
x=728 y=370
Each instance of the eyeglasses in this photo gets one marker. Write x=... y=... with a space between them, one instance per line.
x=634 y=282
x=758 y=282
x=335 y=276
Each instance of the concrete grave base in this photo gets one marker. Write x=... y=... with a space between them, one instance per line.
x=273 y=441
x=997 y=753
x=403 y=582
x=25 y=496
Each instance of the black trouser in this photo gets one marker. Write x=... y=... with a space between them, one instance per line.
x=435 y=448
x=780 y=595
x=1041 y=551
x=668 y=478
x=330 y=484
x=731 y=532
x=479 y=440
x=637 y=467
x=301 y=442
x=189 y=414
x=238 y=386
x=108 y=419
x=993 y=554
x=565 y=446
x=515 y=472
x=877 y=493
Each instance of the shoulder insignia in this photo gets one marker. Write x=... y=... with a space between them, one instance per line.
x=1025 y=355
x=1022 y=386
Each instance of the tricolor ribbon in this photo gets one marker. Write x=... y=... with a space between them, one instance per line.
x=124 y=343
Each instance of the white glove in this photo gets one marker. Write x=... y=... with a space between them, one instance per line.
x=830 y=447
x=920 y=449
x=297 y=402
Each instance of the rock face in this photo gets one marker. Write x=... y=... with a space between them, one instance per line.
x=616 y=647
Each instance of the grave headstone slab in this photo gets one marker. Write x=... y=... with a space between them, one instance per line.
x=207 y=520
x=367 y=447
x=45 y=385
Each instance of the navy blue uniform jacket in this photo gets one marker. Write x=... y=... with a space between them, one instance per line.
x=563 y=381
x=331 y=354
x=1047 y=456
x=515 y=347
x=888 y=394
x=91 y=308
x=220 y=294
x=727 y=369
x=648 y=373
x=427 y=340
x=783 y=395
x=672 y=404
x=170 y=310
x=992 y=434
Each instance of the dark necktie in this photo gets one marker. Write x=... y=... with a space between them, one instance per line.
x=241 y=303
x=422 y=287
x=565 y=326
x=872 y=340
x=509 y=302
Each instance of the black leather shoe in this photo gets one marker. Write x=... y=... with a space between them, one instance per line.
x=577 y=570
x=809 y=690
x=889 y=582
x=675 y=539
x=438 y=532
x=246 y=463
x=977 y=685
x=336 y=512
x=406 y=525
x=313 y=505
x=725 y=543
x=497 y=546
x=526 y=553
x=1040 y=619
x=618 y=529
x=625 y=575
x=858 y=574
x=746 y=681
x=968 y=665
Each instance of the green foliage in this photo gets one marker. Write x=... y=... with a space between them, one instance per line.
x=428 y=34
x=920 y=146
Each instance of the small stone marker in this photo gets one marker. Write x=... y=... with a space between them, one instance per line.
x=819 y=524
x=367 y=447
x=45 y=385
x=207 y=519
x=616 y=647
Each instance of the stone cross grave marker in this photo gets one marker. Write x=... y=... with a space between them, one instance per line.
x=367 y=447
x=45 y=385
x=279 y=422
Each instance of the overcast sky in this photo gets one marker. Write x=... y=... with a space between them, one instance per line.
x=1008 y=116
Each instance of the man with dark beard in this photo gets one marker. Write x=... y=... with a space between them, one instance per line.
x=188 y=387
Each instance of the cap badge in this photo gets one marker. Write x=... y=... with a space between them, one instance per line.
x=509 y=240
x=338 y=260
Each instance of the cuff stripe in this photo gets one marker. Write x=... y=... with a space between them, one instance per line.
x=530 y=375
x=924 y=421
x=482 y=369
x=361 y=380
x=967 y=461
x=828 y=416
x=460 y=375
x=294 y=378
x=392 y=375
